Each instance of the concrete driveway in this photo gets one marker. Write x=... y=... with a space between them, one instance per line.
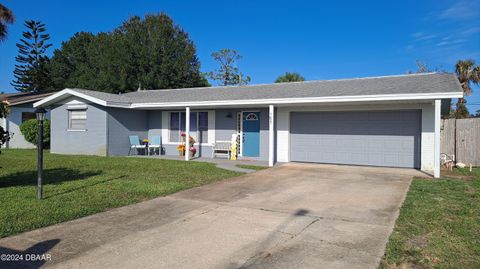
x=291 y=216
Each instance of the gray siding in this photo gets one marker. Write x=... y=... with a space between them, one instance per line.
x=155 y=122
x=123 y=123
x=226 y=126
x=93 y=141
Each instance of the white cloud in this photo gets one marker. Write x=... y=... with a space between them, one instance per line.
x=420 y=36
x=463 y=10
x=447 y=41
x=470 y=31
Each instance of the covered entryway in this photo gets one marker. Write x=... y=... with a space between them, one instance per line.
x=379 y=138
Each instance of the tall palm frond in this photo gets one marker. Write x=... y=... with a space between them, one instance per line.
x=6 y=17
x=290 y=77
x=467 y=73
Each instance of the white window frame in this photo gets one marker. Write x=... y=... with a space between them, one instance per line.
x=69 y=119
x=211 y=137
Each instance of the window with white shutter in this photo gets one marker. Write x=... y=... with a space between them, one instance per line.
x=77 y=119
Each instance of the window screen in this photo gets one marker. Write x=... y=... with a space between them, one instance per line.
x=77 y=119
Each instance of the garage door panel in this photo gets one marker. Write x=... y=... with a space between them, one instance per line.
x=381 y=138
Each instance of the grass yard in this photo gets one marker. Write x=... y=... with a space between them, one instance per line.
x=439 y=225
x=252 y=167
x=77 y=186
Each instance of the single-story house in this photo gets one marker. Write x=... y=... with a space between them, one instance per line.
x=391 y=121
x=21 y=109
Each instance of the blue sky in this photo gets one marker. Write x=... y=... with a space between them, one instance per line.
x=319 y=39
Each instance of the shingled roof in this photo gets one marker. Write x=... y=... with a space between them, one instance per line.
x=22 y=98
x=418 y=83
x=426 y=83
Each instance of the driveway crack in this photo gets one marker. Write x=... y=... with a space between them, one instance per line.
x=268 y=251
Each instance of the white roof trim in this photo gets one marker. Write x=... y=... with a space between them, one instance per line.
x=68 y=92
x=327 y=99
x=271 y=101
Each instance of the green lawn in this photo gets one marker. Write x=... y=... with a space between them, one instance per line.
x=77 y=186
x=438 y=226
x=252 y=167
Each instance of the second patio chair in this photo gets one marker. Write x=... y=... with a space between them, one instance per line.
x=155 y=143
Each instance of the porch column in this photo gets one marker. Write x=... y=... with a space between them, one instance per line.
x=271 y=136
x=436 y=143
x=187 y=133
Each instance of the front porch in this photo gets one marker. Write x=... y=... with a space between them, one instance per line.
x=248 y=132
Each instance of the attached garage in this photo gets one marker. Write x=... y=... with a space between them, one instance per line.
x=379 y=138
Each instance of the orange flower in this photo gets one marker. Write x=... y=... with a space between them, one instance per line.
x=181 y=147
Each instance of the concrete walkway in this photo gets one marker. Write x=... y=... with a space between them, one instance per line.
x=290 y=216
x=221 y=163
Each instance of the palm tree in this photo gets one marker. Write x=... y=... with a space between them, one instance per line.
x=467 y=73
x=290 y=77
x=6 y=17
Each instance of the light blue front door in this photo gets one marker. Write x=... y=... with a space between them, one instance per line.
x=251 y=134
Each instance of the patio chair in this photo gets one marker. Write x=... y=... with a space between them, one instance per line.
x=135 y=144
x=222 y=148
x=155 y=143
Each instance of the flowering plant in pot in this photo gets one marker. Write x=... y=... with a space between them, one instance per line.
x=182 y=147
x=193 y=151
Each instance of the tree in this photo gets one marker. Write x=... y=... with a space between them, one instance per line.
x=6 y=17
x=422 y=67
x=228 y=73
x=290 y=77
x=29 y=131
x=461 y=111
x=477 y=114
x=467 y=73
x=154 y=53
x=31 y=73
x=4 y=136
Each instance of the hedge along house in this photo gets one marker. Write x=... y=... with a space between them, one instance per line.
x=391 y=121
x=21 y=109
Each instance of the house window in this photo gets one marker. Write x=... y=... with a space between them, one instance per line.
x=28 y=116
x=77 y=119
x=198 y=126
x=251 y=116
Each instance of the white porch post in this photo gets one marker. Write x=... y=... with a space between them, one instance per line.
x=187 y=133
x=436 y=148
x=271 y=136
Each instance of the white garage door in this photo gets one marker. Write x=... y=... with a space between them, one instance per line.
x=379 y=138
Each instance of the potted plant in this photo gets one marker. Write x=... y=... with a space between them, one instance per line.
x=193 y=150
x=181 y=150
x=182 y=147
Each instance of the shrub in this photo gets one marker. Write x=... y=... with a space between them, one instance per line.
x=29 y=130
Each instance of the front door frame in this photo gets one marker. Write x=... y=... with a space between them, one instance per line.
x=240 y=128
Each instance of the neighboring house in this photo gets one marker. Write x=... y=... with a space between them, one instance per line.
x=391 y=121
x=21 y=109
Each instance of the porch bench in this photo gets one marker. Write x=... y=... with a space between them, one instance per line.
x=222 y=148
